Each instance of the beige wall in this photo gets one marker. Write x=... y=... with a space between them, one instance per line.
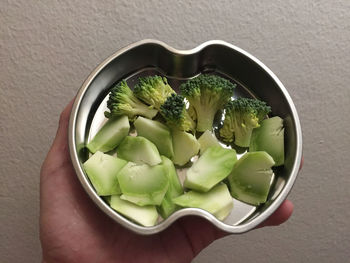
x=48 y=48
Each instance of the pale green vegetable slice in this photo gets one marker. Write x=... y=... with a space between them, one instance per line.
x=102 y=170
x=138 y=150
x=143 y=184
x=206 y=140
x=217 y=201
x=167 y=207
x=251 y=176
x=185 y=147
x=144 y=215
x=213 y=166
x=110 y=135
x=157 y=133
x=269 y=137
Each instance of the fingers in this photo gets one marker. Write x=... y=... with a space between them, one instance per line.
x=280 y=215
x=199 y=232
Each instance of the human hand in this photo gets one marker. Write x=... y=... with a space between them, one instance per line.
x=73 y=229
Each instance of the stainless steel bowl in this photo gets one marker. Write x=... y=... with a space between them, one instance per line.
x=149 y=57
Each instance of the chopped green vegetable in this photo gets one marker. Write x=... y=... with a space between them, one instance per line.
x=217 y=201
x=153 y=90
x=206 y=140
x=251 y=176
x=175 y=114
x=138 y=150
x=185 y=147
x=143 y=180
x=122 y=101
x=144 y=215
x=157 y=133
x=143 y=184
x=167 y=207
x=207 y=95
x=213 y=166
x=269 y=137
x=102 y=170
x=242 y=116
x=110 y=135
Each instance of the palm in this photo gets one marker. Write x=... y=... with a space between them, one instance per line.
x=73 y=229
x=72 y=224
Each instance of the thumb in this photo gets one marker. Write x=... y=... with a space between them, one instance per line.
x=61 y=139
x=200 y=232
x=282 y=214
x=58 y=154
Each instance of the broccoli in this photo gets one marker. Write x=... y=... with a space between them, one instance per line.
x=143 y=184
x=216 y=201
x=241 y=117
x=122 y=101
x=153 y=90
x=250 y=179
x=192 y=113
x=207 y=94
x=213 y=166
x=175 y=114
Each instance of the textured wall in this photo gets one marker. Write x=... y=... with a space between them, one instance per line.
x=47 y=49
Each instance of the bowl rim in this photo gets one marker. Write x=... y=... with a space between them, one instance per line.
x=234 y=229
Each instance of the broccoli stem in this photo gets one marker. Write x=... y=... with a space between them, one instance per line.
x=205 y=119
x=242 y=139
x=146 y=111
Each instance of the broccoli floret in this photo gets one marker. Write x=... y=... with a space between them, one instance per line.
x=122 y=101
x=175 y=114
x=207 y=94
x=241 y=117
x=153 y=90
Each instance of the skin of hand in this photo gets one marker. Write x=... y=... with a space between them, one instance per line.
x=74 y=229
